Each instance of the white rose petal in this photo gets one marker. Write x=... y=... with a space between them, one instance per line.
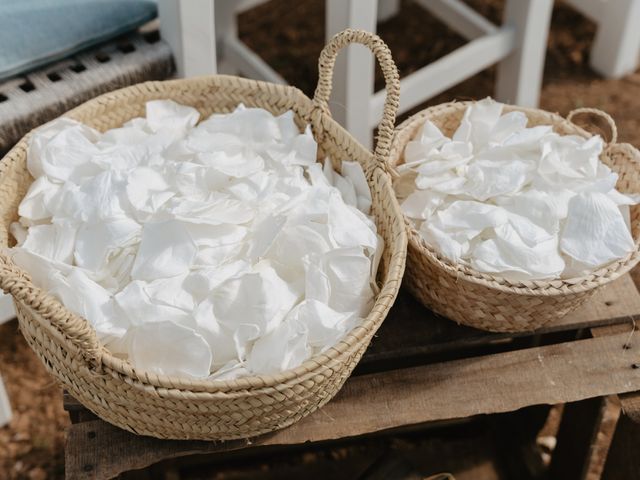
x=213 y=250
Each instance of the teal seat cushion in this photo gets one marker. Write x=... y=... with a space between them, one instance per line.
x=36 y=32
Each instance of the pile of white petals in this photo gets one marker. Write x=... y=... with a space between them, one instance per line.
x=215 y=250
x=524 y=203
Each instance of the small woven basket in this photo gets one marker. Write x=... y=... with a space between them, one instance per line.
x=180 y=408
x=491 y=302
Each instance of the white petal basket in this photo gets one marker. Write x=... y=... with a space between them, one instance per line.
x=491 y=302
x=179 y=408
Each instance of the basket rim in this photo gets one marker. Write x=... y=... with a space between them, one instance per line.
x=315 y=365
x=554 y=287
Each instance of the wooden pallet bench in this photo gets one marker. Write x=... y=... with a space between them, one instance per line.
x=422 y=369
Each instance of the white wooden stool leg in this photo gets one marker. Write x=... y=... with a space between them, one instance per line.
x=616 y=47
x=387 y=9
x=5 y=406
x=226 y=25
x=520 y=74
x=188 y=26
x=353 y=76
x=7 y=310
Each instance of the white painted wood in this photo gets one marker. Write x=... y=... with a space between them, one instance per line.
x=7 y=309
x=5 y=406
x=171 y=30
x=244 y=5
x=518 y=45
x=616 y=47
x=188 y=26
x=447 y=71
x=387 y=9
x=248 y=63
x=520 y=74
x=460 y=17
x=353 y=79
x=226 y=21
x=590 y=8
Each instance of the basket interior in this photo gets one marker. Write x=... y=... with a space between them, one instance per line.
x=622 y=159
x=220 y=94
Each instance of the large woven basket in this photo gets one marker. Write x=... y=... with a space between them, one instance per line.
x=491 y=302
x=179 y=408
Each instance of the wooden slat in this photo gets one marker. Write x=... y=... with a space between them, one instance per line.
x=447 y=71
x=623 y=461
x=412 y=330
x=248 y=62
x=617 y=300
x=584 y=438
x=469 y=453
x=503 y=382
x=460 y=17
x=97 y=450
x=591 y=8
x=630 y=401
x=370 y=403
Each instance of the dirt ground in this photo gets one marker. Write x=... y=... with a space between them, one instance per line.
x=289 y=35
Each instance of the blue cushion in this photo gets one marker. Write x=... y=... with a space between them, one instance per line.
x=36 y=32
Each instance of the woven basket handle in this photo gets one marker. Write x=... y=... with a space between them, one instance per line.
x=598 y=113
x=16 y=282
x=326 y=64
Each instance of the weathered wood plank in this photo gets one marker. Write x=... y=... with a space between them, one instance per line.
x=630 y=401
x=584 y=438
x=412 y=330
x=623 y=461
x=619 y=299
x=98 y=450
x=370 y=403
x=495 y=383
x=469 y=453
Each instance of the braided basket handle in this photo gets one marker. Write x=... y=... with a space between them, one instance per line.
x=326 y=64
x=598 y=113
x=14 y=281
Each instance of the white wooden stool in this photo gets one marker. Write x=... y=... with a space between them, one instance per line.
x=616 y=47
x=5 y=406
x=518 y=46
x=7 y=312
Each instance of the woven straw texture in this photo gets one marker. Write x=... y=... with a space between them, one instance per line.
x=180 y=408
x=490 y=302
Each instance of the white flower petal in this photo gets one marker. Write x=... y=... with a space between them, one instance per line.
x=259 y=298
x=166 y=249
x=282 y=349
x=35 y=204
x=52 y=241
x=323 y=325
x=166 y=348
x=167 y=114
x=349 y=227
x=510 y=256
x=421 y=204
x=595 y=232
x=188 y=246
x=97 y=242
x=353 y=171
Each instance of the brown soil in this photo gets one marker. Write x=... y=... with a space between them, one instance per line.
x=32 y=445
x=289 y=35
